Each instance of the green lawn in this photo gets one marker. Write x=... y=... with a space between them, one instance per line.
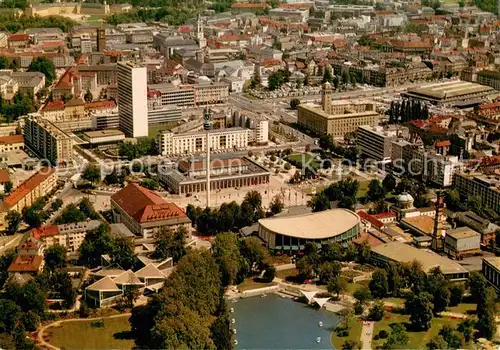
x=288 y=272
x=352 y=287
x=418 y=340
x=397 y=301
x=363 y=189
x=305 y=158
x=155 y=130
x=80 y=335
x=355 y=327
x=249 y=284
x=463 y=308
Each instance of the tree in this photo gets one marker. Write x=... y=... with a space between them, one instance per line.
x=327 y=76
x=33 y=217
x=7 y=187
x=320 y=202
x=7 y=341
x=336 y=285
x=232 y=265
x=329 y=270
x=398 y=338
x=58 y=203
x=389 y=183
x=466 y=327
x=375 y=190
x=332 y=251
x=55 y=257
x=347 y=203
x=170 y=244
x=150 y=184
x=379 y=286
x=123 y=252
x=394 y=279
x=71 y=213
x=44 y=65
x=477 y=285
x=88 y=96
x=276 y=206
x=376 y=312
x=269 y=274
x=437 y=342
x=87 y=208
x=4 y=62
x=486 y=309
x=454 y=339
x=452 y=199
x=254 y=252
x=441 y=298
x=420 y=309
x=13 y=218
x=10 y=315
x=96 y=243
x=362 y=295
x=61 y=284
x=294 y=103
x=220 y=329
x=30 y=297
x=92 y=173
x=352 y=345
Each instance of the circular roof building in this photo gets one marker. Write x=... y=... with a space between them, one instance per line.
x=291 y=233
x=405 y=200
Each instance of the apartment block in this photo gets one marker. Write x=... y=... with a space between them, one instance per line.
x=195 y=142
x=487 y=187
x=37 y=186
x=47 y=141
x=258 y=129
x=70 y=236
x=375 y=142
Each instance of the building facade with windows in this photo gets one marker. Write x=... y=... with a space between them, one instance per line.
x=487 y=187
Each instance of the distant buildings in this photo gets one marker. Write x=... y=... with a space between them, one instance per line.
x=225 y=172
x=144 y=212
x=11 y=143
x=336 y=118
x=132 y=99
x=35 y=187
x=47 y=141
x=230 y=139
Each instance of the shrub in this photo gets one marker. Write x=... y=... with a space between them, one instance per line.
x=383 y=334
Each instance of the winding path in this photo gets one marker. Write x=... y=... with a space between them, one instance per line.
x=42 y=330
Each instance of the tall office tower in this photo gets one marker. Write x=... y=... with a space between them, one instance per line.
x=101 y=39
x=132 y=99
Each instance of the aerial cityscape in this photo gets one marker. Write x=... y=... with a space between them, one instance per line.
x=250 y=174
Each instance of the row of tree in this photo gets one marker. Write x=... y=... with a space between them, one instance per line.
x=230 y=217
x=327 y=143
x=407 y=110
x=11 y=22
x=344 y=191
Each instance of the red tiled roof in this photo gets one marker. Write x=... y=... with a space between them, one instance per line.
x=184 y=29
x=65 y=82
x=45 y=231
x=489 y=105
x=387 y=214
x=367 y=217
x=444 y=143
x=29 y=244
x=19 y=37
x=271 y=62
x=4 y=176
x=26 y=263
x=53 y=106
x=146 y=206
x=5 y=140
x=27 y=186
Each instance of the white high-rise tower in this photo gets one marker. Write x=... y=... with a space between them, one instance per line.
x=132 y=99
x=200 y=35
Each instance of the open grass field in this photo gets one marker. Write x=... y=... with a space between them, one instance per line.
x=352 y=287
x=355 y=327
x=81 y=335
x=156 y=129
x=363 y=189
x=418 y=340
x=305 y=158
x=463 y=308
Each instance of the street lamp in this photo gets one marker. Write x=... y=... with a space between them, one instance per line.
x=207 y=125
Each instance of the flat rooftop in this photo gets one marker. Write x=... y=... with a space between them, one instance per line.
x=320 y=225
x=449 y=89
x=404 y=253
x=421 y=223
x=318 y=110
x=462 y=232
x=103 y=133
x=493 y=261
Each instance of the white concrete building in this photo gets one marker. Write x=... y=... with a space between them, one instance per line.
x=195 y=142
x=375 y=142
x=132 y=99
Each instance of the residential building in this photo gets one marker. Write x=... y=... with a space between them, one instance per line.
x=24 y=195
x=375 y=142
x=11 y=143
x=462 y=242
x=295 y=15
x=258 y=128
x=18 y=41
x=47 y=141
x=486 y=187
x=147 y=212
x=70 y=236
x=170 y=95
x=491 y=270
x=211 y=93
x=189 y=176
x=27 y=82
x=195 y=142
x=490 y=78
x=132 y=99
x=336 y=118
